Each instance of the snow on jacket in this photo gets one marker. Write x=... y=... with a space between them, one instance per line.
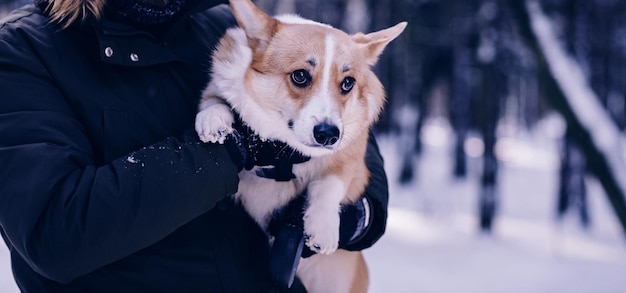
x=103 y=187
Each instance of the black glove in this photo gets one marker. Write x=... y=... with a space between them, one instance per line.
x=353 y=223
x=287 y=227
x=247 y=147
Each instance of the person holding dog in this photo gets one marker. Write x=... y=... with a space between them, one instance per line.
x=104 y=186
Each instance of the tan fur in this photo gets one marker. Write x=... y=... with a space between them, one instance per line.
x=361 y=280
x=252 y=69
x=66 y=12
x=344 y=271
x=350 y=166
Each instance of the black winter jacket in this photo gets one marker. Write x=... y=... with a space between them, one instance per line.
x=100 y=190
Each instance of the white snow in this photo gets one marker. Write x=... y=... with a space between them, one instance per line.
x=131 y=159
x=7 y=284
x=433 y=245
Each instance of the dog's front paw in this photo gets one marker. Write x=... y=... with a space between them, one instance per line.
x=321 y=232
x=214 y=123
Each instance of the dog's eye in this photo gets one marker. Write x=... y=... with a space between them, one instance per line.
x=301 y=78
x=347 y=84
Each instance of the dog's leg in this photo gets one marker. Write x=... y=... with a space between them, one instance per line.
x=321 y=217
x=215 y=119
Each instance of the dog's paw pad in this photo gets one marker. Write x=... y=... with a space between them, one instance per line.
x=216 y=136
x=323 y=246
x=212 y=127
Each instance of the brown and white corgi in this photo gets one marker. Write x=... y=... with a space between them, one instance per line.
x=311 y=86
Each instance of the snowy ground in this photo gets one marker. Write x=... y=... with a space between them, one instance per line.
x=6 y=278
x=432 y=244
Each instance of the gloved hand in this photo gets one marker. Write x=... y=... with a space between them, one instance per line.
x=287 y=227
x=247 y=150
x=353 y=222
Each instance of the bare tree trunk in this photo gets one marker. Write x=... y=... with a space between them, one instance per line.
x=572 y=188
x=596 y=134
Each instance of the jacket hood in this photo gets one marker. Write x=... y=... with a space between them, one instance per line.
x=67 y=12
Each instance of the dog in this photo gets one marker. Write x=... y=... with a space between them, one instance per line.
x=311 y=86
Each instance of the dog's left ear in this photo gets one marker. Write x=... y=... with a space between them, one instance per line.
x=373 y=44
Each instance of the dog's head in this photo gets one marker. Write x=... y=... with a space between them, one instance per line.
x=315 y=79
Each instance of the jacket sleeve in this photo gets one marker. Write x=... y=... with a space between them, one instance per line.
x=66 y=216
x=377 y=195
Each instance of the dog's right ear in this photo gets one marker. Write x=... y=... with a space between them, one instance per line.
x=259 y=26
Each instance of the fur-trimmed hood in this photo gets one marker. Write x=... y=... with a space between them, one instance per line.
x=66 y=12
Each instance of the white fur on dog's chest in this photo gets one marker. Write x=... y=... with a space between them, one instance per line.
x=262 y=196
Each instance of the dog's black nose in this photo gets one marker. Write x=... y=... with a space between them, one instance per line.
x=326 y=134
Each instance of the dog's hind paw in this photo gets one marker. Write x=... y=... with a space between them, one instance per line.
x=214 y=124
